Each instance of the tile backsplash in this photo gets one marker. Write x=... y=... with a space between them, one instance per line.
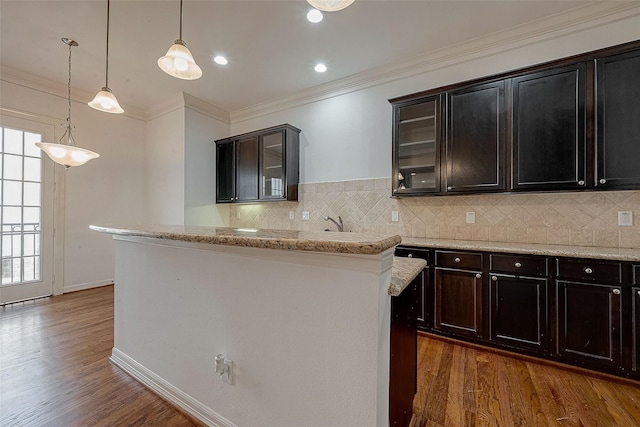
x=583 y=219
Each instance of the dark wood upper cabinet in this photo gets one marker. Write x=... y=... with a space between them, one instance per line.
x=618 y=121
x=549 y=138
x=475 y=138
x=416 y=147
x=571 y=124
x=258 y=166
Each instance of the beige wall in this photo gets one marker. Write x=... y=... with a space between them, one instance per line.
x=584 y=219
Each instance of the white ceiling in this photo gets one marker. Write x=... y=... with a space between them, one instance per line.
x=270 y=45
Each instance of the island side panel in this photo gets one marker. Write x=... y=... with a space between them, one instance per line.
x=308 y=333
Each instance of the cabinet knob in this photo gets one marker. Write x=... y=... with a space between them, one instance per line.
x=518 y=265
x=588 y=270
x=457 y=260
x=449 y=188
x=602 y=181
x=494 y=278
x=581 y=182
x=638 y=292
x=410 y=256
x=616 y=291
x=478 y=276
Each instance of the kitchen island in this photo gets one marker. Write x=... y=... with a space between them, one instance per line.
x=305 y=318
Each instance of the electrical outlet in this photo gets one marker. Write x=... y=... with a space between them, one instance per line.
x=292 y=215
x=625 y=218
x=237 y=214
x=471 y=217
x=305 y=215
x=394 y=216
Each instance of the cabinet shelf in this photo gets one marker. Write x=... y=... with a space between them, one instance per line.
x=273 y=167
x=426 y=141
x=418 y=119
x=273 y=146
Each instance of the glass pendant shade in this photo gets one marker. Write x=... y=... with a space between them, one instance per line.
x=67 y=155
x=330 y=5
x=178 y=62
x=106 y=101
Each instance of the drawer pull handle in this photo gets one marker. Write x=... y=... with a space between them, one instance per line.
x=616 y=291
x=495 y=279
x=517 y=264
x=478 y=276
x=588 y=270
x=410 y=256
x=457 y=260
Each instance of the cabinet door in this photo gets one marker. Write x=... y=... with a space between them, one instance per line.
x=225 y=172
x=589 y=323
x=618 y=124
x=458 y=297
x=518 y=311
x=635 y=352
x=549 y=130
x=416 y=147
x=272 y=159
x=247 y=169
x=475 y=139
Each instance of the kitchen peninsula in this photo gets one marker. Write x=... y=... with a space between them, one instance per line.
x=303 y=316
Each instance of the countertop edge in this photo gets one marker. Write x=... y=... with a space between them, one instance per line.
x=403 y=272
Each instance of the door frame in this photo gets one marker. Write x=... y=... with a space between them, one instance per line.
x=50 y=129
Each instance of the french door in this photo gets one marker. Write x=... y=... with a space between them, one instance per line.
x=26 y=211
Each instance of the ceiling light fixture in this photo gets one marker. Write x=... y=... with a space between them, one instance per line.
x=314 y=16
x=105 y=100
x=220 y=60
x=178 y=62
x=330 y=5
x=320 y=68
x=67 y=154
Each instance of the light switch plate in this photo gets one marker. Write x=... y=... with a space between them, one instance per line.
x=471 y=217
x=625 y=218
x=291 y=215
x=305 y=215
x=394 y=216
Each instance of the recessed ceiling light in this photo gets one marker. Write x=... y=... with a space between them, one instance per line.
x=314 y=16
x=321 y=68
x=221 y=60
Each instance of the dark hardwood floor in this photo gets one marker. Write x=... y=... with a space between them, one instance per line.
x=55 y=369
x=465 y=385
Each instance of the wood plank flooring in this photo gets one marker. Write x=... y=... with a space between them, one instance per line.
x=55 y=369
x=464 y=385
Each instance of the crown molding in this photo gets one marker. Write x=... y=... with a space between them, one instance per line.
x=183 y=100
x=30 y=81
x=561 y=24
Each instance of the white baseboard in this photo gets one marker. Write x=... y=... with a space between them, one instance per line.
x=168 y=391
x=88 y=285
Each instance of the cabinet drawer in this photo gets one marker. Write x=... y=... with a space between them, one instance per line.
x=519 y=264
x=468 y=260
x=590 y=270
x=404 y=251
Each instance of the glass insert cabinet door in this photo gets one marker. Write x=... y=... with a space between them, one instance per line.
x=272 y=156
x=416 y=147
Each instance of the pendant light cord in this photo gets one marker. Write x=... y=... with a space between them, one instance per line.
x=180 y=19
x=69 y=91
x=107 y=66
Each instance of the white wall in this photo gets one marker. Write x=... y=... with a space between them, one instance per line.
x=106 y=190
x=348 y=136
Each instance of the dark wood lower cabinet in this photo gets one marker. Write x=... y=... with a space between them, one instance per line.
x=518 y=312
x=589 y=323
x=458 y=302
x=635 y=351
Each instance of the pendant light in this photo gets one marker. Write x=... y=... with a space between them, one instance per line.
x=330 y=5
x=67 y=154
x=105 y=100
x=178 y=62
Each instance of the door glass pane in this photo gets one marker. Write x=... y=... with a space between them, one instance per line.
x=417 y=145
x=272 y=178
x=21 y=202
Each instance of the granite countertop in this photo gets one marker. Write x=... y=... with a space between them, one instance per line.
x=617 y=254
x=404 y=270
x=314 y=241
